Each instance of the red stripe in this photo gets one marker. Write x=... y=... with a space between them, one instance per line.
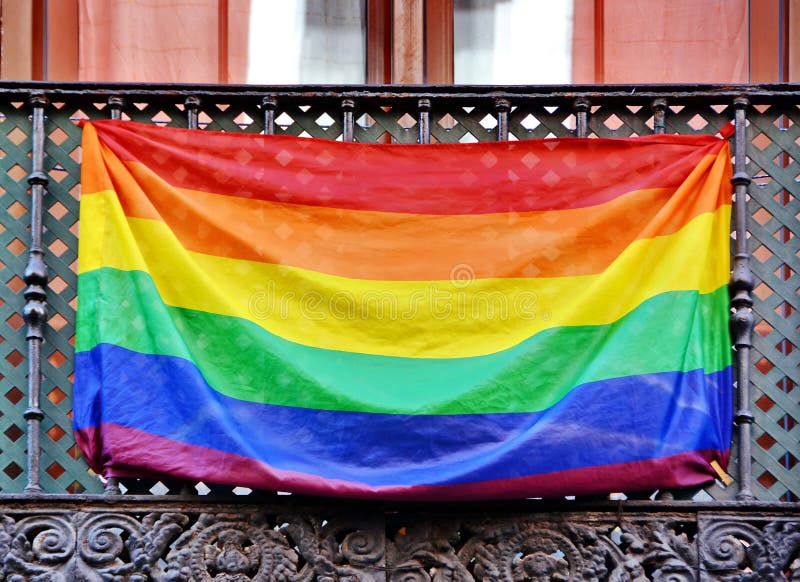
x=184 y=461
x=477 y=178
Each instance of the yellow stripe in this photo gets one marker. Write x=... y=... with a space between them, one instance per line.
x=432 y=319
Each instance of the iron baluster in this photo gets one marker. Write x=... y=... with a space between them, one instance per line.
x=269 y=104
x=502 y=107
x=659 y=108
x=192 y=104
x=35 y=311
x=115 y=105
x=581 y=107
x=424 y=106
x=741 y=285
x=348 y=106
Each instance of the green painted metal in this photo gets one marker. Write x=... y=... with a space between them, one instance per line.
x=774 y=133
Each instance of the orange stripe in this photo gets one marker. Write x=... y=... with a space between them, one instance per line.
x=94 y=174
x=396 y=246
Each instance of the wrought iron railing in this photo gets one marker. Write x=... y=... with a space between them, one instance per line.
x=40 y=145
x=182 y=538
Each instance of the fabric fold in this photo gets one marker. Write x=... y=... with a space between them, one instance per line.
x=495 y=320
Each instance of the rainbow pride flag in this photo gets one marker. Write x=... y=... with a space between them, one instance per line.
x=469 y=321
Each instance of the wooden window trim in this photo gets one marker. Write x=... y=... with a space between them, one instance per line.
x=60 y=46
x=223 y=10
x=764 y=42
x=599 y=41
x=17 y=39
x=439 y=47
x=408 y=41
x=379 y=42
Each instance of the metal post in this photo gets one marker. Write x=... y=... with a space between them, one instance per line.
x=581 y=107
x=35 y=277
x=740 y=287
x=269 y=104
x=192 y=104
x=115 y=105
x=424 y=106
x=502 y=107
x=659 y=108
x=348 y=106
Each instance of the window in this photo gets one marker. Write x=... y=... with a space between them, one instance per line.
x=507 y=42
x=401 y=41
x=307 y=41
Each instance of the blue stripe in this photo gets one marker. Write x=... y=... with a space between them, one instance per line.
x=611 y=421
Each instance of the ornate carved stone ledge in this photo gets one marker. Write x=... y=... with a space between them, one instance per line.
x=289 y=538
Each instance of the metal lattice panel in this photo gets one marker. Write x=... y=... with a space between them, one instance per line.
x=62 y=469
x=774 y=208
x=14 y=145
x=774 y=134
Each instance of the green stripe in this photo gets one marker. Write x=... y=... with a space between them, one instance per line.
x=242 y=360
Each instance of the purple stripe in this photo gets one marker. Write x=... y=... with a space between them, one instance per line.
x=137 y=454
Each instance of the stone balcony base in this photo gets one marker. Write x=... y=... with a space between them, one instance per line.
x=181 y=538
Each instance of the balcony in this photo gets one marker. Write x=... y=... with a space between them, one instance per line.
x=59 y=521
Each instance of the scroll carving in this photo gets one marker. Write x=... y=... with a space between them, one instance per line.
x=425 y=552
x=347 y=548
x=231 y=548
x=740 y=552
x=85 y=546
x=537 y=551
x=248 y=543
